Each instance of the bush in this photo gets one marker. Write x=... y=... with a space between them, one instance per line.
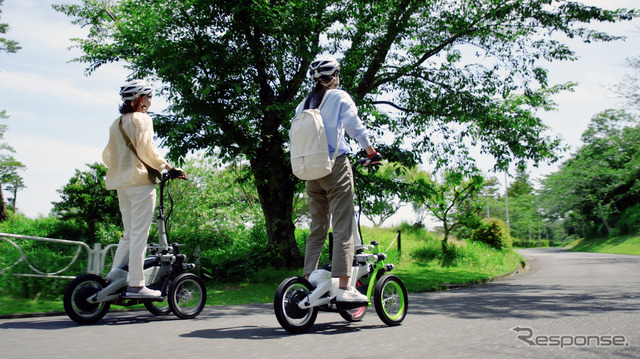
x=493 y=232
x=246 y=255
x=430 y=250
x=533 y=243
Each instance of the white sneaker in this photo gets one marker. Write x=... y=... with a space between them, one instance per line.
x=351 y=295
x=143 y=292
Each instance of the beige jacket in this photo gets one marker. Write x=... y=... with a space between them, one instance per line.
x=124 y=168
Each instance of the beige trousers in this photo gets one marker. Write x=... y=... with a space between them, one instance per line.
x=331 y=198
x=137 y=206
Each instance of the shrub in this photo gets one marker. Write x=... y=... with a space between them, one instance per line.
x=533 y=243
x=493 y=232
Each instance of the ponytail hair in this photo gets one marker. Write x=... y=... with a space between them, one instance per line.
x=130 y=106
x=322 y=85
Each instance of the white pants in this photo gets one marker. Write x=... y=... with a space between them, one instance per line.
x=136 y=205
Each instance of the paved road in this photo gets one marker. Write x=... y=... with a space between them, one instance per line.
x=573 y=300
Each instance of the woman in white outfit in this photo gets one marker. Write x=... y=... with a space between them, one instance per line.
x=129 y=177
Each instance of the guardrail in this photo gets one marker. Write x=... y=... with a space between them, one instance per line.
x=95 y=262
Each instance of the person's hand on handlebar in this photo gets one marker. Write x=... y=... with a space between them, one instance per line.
x=177 y=173
x=373 y=158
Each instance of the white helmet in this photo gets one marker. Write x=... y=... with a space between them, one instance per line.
x=323 y=66
x=133 y=89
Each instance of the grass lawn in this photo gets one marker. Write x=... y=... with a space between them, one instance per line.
x=421 y=265
x=617 y=245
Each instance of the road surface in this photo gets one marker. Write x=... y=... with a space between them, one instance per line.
x=567 y=305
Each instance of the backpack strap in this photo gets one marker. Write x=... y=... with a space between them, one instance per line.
x=340 y=133
x=335 y=151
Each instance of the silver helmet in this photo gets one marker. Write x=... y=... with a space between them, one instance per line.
x=323 y=66
x=133 y=89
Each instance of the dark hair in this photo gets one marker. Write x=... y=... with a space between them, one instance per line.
x=318 y=92
x=130 y=106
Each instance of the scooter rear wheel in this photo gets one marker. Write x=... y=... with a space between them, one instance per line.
x=75 y=299
x=285 y=305
x=158 y=308
x=356 y=314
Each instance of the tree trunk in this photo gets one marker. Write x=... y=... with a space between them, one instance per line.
x=15 y=195
x=3 y=206
x=604 y=221
x=445 y=240
x=276 y=187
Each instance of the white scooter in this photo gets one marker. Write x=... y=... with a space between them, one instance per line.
x=297 y=300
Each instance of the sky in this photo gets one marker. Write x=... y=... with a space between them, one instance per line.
x=59 y=116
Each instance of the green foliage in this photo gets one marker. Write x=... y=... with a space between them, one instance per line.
x=239 y=260
x=9 y=168
x=380 y=189
x=86 y=201
x=431 y=267
x=471 y=263
x=451 y=200
x=215 y=206
x=532 y=243
x=494 y=233
x=8 y=46
x=629 y=220
x=234 y=72
x=595 y=190
x=46 y=257
x=47 y=227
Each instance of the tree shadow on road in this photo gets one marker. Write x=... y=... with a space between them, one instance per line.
x=509 y=300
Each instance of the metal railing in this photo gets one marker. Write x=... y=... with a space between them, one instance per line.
x=95 y=256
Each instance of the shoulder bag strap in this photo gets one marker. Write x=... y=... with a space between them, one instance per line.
x=129 y=144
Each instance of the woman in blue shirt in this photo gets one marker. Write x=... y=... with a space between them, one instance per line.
x=331 y=197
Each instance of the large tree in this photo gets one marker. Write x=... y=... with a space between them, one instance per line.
x=598 y=187
x=438 y=75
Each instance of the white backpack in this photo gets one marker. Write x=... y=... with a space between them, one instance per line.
x=310 y=157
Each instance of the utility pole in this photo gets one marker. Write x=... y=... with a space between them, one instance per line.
x=506 y=199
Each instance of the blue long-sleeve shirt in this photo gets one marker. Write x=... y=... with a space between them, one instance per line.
x=339 y=110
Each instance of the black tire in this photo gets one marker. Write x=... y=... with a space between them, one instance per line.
x=75 y=299
x=187 y=296
x=391 y=300
x=285 y=305
x=158 y=308
x=356 y=314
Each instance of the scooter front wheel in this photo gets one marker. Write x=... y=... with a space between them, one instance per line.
x=391 y=300
x=76 y=305
x=187 y=296
x=291 y=317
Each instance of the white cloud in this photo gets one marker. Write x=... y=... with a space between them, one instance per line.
x=38 y=84
x=50 y=164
